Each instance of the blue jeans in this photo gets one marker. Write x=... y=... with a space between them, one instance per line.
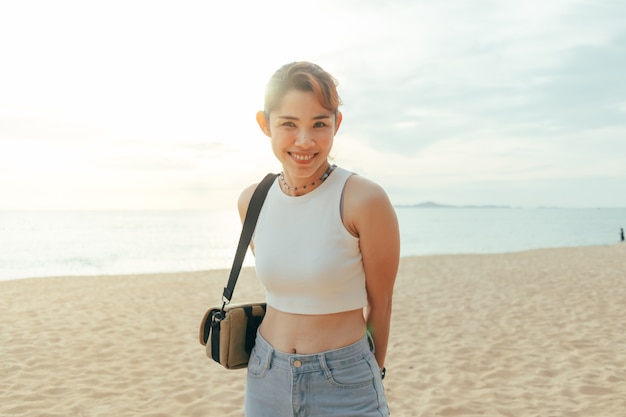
x=337 y=383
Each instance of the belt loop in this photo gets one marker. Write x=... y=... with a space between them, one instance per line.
x=268 y=351
x=270 y=357
x=322 y=358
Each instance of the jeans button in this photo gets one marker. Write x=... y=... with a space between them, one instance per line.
x=297 y=363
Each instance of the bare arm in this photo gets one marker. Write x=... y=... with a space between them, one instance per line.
x=369 y=215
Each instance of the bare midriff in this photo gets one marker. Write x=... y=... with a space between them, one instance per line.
x=307 y=334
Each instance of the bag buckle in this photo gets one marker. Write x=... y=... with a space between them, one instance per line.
x=218 y=316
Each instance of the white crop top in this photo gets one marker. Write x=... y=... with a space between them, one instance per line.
x=306 y=259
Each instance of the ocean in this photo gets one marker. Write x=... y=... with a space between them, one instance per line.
x=63 y=243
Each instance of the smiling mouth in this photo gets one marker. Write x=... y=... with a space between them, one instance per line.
x=303 y=158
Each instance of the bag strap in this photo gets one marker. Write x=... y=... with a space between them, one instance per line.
x=252 y=215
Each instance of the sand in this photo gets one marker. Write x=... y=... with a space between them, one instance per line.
x=536 y=333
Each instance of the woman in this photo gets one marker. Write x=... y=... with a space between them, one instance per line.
x=326 y=249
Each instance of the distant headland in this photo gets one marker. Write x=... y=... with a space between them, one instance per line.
x=430 y=205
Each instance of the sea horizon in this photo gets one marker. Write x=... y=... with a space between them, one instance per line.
x=420 y=205
x=46 y=243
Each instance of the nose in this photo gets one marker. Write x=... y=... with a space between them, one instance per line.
x=304 y=139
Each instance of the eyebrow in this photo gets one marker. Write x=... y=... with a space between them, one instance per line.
x=320 y=117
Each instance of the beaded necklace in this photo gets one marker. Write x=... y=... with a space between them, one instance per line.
x=304 y=187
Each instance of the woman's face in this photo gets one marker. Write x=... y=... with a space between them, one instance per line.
x=301 y=133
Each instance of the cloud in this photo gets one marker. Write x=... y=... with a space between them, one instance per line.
x=442 y=97
x=515 y=69
x=42 y=129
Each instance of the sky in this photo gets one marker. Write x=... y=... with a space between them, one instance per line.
x=116 y=105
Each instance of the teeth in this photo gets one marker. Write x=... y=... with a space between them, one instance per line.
x=302 y=157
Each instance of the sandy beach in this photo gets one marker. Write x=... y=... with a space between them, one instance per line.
x=535 y=333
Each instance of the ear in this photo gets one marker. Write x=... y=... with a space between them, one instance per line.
x=338 y=120
x=263 y=123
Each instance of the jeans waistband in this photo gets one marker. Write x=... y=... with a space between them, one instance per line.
x=315 y=361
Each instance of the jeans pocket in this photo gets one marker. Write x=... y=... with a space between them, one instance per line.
x=257 y=365
x=358 y=374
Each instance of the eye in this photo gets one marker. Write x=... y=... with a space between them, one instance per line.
x=289 y=124
x=319 y=124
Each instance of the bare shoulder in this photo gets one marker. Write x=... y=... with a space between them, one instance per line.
x=244 y=200
x=365 y=202
x=361 y=192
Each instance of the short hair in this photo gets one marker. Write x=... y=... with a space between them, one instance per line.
x=302 y=76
